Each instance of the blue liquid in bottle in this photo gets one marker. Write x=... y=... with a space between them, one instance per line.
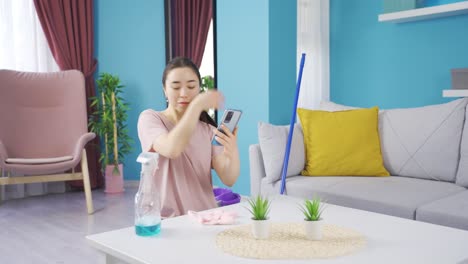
x=151 y=230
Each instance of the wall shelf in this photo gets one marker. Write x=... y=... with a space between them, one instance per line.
x=454 y=9
x=455 y=93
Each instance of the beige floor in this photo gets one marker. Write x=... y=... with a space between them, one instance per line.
x=52 y=228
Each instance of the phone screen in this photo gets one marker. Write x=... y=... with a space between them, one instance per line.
x=230 y=119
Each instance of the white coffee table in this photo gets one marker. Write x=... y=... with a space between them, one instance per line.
x=389 y=239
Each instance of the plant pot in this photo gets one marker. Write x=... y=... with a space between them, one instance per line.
x=313 y=229
x=114 y=182
x=261 y=229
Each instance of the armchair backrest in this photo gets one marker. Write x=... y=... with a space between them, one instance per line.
x=42 y=114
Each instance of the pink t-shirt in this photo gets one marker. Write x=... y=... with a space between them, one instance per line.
x=184 y=182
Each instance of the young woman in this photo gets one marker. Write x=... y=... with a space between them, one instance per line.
x=182 y=134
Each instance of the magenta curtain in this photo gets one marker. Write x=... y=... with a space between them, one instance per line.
x=69 y=28
x=190 y=25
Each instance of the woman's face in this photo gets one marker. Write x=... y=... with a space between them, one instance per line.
x=181 y=87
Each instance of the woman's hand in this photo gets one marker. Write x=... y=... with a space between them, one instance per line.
x=207 y=100
x=228 y=140
x=227 y=164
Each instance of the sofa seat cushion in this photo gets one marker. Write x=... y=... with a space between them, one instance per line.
x=39 y=160
x=397 y=196
x=449 y=211
x=312 y=186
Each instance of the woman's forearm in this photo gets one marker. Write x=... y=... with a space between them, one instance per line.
x=231 y=169
x=173 y=144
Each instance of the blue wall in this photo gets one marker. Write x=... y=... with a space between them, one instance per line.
x=282 y=55
x=427 y=3
x=392 y=65
x=130 y=42
x=242 y=54
x=256 y=64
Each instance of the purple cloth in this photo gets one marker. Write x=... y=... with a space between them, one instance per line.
x=225 y=196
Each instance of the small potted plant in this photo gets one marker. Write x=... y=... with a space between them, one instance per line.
x=109 y=122
x=260 y=208
x=312 y=210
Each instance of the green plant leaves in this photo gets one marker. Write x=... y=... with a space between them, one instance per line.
x=116 y=171
x=207 y=83
x=259 y=208
x=312 y=209
x=102 y=120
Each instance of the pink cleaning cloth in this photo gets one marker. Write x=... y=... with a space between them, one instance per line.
x=216 y=217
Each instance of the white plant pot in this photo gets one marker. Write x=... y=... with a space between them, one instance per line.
x=261 y=229
x=313 y=229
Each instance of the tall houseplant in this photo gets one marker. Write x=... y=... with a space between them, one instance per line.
x=109 y=122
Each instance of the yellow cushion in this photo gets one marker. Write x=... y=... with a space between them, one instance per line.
x=344 y=143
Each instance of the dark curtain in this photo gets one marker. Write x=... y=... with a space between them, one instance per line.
x=69 y=28
x=190 y=25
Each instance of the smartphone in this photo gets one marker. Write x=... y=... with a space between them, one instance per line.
x=230 y=119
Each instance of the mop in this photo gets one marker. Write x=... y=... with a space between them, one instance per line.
x=291 y=127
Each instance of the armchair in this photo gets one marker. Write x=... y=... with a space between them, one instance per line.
x=43 y=128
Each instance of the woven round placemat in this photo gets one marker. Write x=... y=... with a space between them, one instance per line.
x=288 y=241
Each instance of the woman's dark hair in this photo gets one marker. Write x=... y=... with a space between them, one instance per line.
x=182 y=62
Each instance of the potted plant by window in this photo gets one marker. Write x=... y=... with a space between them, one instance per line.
x=109 y=122
x=207 y=84
x=312 y=210
x=260 y=208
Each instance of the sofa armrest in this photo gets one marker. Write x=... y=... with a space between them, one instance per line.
x=257 y=169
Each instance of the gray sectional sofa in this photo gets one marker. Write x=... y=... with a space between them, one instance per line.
x=425 y=149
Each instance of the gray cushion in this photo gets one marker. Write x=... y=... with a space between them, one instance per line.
x=272 y=140
x=462 y=173
x=398 y=196
x=257 y=170
x=450 y=211
x=422 y=142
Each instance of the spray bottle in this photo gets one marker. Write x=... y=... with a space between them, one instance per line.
x=147 y=200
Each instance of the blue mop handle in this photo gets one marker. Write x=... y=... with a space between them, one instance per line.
x=291 y=127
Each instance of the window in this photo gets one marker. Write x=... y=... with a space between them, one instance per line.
x=208 y=65
x=208 y=62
